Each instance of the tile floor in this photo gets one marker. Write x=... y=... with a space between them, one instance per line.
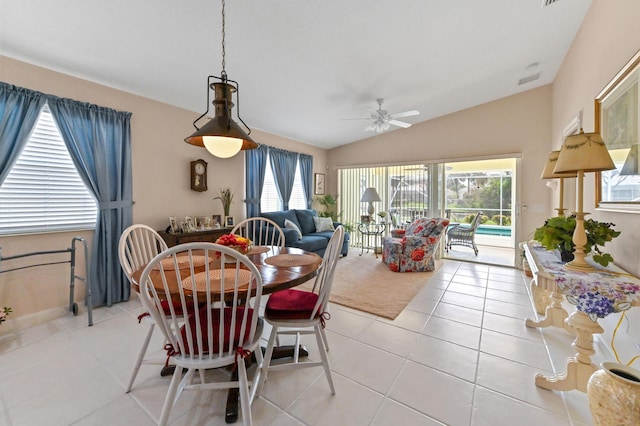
x=459 y=354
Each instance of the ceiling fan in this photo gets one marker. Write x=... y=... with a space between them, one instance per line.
x=382 y=120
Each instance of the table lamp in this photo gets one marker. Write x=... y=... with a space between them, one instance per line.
x=582 y=153
x=548 y=173
x=370 y=196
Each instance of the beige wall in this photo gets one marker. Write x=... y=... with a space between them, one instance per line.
x=608 y=38
x=161 y=184
x=517 y=125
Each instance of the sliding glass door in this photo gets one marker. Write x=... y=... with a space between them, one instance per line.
x=458 y=190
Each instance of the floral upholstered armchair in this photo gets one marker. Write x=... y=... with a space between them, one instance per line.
x=415 y=250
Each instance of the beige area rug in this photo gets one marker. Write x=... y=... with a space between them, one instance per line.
x=366 y=284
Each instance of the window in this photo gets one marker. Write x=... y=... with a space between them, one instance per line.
x=270 y=201
x=43 y=191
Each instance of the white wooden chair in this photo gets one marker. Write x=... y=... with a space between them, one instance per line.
x=225 y=327
x=261 y=231
x=138 y=245
x=301 y=312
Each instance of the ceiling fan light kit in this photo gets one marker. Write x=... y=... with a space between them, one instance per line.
x=382 y=120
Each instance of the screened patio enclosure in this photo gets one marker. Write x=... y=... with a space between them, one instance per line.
x=457 y=190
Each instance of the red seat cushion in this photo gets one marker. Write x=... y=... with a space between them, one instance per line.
x=178 y=308
x=215 y=323
x=291 y=304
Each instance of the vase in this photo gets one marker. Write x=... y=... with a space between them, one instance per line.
x=565 y=255
x=614 y=395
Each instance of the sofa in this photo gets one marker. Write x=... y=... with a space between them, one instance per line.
x=306 y=236
x=414 y=249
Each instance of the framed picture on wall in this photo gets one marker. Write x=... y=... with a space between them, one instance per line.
x=319 y=184
x=616 y=119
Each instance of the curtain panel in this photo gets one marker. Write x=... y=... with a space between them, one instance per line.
x=283 y=165
x=256 y=166
x=99 y=142
x=19 y=112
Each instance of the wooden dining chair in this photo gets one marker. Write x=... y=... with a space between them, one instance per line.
x=138 y=245
x=261 y=231
x=299 y=312
x=225 y=327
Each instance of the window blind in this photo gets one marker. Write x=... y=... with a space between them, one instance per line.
x=43 y=191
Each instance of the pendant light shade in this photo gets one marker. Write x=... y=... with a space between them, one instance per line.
x=222 y=136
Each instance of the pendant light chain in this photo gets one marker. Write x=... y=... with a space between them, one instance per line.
x=224 y=73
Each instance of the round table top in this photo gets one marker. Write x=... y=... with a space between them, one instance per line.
x=275 y=275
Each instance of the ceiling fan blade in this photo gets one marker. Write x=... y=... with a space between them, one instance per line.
x=406 y=114
x=363 y=118
x=400 y=124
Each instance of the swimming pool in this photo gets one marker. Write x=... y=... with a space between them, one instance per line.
x=502 y=231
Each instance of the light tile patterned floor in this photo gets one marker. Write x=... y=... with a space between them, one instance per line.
x=459 y=354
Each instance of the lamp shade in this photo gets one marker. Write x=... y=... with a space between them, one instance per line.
x=370 y=195
x=222 y=136
x=548 y=173
x=584 y=152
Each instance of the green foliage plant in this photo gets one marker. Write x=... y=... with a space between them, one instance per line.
x=226 y=197
x=557 y=233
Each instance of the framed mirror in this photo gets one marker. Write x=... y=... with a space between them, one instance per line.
x=616 y=119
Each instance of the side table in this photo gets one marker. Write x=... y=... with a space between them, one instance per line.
x=595 y=295
x=369 y=230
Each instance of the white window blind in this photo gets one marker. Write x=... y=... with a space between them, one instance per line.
x=43 y=191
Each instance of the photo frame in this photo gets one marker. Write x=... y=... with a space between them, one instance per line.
x=217 y=221
x=318 y=184
x=616 y=119
x=228 y=222
x=174 y=228
x=365 y=219
x=190 y=224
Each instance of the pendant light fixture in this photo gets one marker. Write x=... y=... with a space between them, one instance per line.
x=222 y=136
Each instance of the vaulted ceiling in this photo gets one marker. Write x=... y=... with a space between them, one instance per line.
x=305 y=68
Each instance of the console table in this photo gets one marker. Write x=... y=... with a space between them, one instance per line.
x=210 y=235
x=594 y=294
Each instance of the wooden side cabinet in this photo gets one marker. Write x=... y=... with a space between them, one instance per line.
x=192 y=237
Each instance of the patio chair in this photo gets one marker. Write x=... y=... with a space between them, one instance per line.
x=464 y=234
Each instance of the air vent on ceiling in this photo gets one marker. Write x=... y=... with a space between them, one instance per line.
x=546 y=3
x=528 y=79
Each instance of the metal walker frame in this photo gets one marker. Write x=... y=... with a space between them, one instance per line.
x=73 y=307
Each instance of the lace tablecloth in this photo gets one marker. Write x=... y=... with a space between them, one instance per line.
x=597 y=294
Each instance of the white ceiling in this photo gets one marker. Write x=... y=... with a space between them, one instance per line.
x=304 y=66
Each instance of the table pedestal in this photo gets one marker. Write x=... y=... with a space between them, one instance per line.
x=579 y=367
x=554 y=315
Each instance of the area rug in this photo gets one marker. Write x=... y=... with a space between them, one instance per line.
x=366 y=284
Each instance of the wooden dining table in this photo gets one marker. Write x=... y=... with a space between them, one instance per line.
x=280 y=269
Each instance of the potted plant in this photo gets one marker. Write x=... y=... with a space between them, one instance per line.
x=557 y=233
x=226 y=197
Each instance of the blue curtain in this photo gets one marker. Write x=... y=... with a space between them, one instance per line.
x=99 y=142
x=255 y=166
x=283 y=165
x=306 y=173
x=19 y=112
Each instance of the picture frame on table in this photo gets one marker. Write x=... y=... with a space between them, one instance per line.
x=616 y=119
x=174 y=228
x=228 y=222
x=318 y=184
x=365 y=219
x=190 y=224
x=217 y=221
